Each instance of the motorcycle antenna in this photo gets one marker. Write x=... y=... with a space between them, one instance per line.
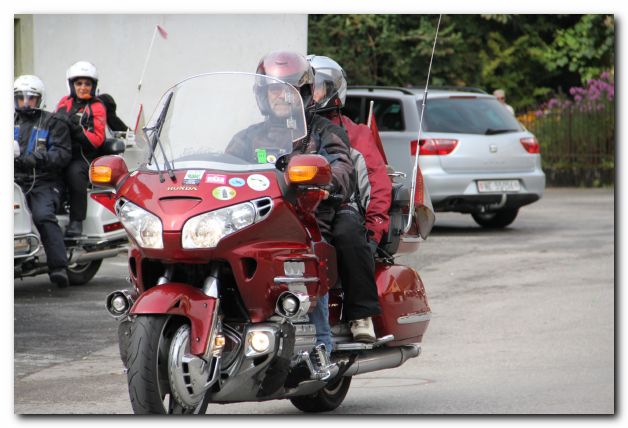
x=416 y=156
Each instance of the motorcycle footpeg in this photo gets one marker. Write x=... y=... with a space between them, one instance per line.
x=359 y=346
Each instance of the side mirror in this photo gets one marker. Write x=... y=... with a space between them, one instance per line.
x=107 y=171
x=309 y=170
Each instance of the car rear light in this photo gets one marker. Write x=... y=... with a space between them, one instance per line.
x=531 y=145
x=111 y=227
x=433 y=146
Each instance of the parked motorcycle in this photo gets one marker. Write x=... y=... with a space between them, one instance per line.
x=103 y=234
x=227 y=262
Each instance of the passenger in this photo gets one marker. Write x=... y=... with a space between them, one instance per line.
x=323 y=138
x=358 y=226
x=114 y=123
x=44 y=150
x=86 y=116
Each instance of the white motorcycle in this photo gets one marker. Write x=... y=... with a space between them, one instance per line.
x=103 y=235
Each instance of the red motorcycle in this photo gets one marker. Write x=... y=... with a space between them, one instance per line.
x=227 y=261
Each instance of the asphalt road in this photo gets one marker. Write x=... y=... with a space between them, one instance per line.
x=523 y=323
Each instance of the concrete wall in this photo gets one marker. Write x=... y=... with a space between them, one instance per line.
x=118 y=45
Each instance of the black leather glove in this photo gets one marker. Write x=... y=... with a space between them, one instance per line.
x=25 y=162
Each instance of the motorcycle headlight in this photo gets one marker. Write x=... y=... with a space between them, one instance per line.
x=143 y=226
x=206 y=230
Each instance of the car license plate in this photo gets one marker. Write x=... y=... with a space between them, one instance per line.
x=486 y=186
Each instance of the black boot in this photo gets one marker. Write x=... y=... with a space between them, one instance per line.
x=60 y=277
x=75 y=228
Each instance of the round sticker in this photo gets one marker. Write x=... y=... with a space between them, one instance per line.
x=258 y=182
x=237 y=182
x=224 y=193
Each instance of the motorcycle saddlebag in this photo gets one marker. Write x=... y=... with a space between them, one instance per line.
x=403 y=301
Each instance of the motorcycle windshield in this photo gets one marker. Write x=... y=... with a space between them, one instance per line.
x=229 y=121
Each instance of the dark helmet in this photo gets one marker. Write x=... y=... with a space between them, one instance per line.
x=331 y=83
x=291 y=68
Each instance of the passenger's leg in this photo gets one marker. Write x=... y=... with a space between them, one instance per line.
x=77 y=180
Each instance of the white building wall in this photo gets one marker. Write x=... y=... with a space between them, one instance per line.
x=118 y=45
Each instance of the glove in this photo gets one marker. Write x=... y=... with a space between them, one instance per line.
x=25 y=162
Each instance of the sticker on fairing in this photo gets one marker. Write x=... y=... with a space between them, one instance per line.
x=258 y=182
x=224 y=193
x=216 y=179
x=237 y=182
x=193 y=176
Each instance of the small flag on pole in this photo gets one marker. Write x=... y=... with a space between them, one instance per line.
x=162 y=32
x=140 y=123
x=378 y=140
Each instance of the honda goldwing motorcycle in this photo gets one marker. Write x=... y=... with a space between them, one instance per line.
x=103 y=235
x=226 y=261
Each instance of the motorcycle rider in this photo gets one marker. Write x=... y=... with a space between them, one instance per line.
x=86 y=116
x=44 y=150
x=358 y=226
x=323 y=138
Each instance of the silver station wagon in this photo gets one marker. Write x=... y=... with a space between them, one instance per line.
x=475 y=157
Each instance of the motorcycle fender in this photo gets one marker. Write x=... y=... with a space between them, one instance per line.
x=176 y=298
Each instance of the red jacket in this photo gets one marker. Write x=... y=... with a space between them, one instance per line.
x=89 y=122
x=374 y=184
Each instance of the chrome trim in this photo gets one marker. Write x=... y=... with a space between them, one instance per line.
x=213 y=331
x=303 y=300
x=260 y=205
x=411 y=239
x=357 y=346
x=294 y=279
x=29 y=236
x=130 y=302
x=382 y=358
x=413 y=318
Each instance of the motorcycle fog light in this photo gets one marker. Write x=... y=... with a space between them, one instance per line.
x=290 y=305
x=119 y=304
x=260 y=341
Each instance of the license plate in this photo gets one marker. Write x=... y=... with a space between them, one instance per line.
x=486 y=186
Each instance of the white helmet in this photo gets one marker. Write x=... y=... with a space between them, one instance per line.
x=81 y=69
x=331 y=80
x=28 y=86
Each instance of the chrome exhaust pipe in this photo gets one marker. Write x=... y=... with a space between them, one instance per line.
x=96 y=255
x=383 y=358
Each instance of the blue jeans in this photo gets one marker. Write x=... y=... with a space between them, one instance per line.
x=320 y=318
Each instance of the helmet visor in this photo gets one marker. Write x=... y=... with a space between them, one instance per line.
x=27 y=100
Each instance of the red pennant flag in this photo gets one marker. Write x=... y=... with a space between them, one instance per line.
x=139 y=123
x=163 y=33
x=378 y=141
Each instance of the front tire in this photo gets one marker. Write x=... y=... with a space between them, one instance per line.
x=496 y=219
x=80 y=274
x=325 y=400
x=147 y=361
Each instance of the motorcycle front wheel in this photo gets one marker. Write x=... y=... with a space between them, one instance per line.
x=147 y=362
x=325 y=400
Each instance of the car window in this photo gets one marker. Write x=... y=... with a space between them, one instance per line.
x=468 y=116
x=354 y=110
x=388 y=114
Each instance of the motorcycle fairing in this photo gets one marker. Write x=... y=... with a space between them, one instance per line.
x=176 y=298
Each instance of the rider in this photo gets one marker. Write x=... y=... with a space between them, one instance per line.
x=87 y=118
x=355 y=241
x=323 y=138
x=44 y=150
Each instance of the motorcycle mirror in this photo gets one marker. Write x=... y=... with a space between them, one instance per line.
x=282 y=163
x=107 y=171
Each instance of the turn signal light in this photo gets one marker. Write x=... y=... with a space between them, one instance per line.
x=301 y=173
x=100 y=174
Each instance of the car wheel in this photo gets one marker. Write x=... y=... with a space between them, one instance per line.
x=496 y=219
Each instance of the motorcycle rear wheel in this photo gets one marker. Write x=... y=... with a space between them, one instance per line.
x=325 y=400
x=147 y=362
x=80 y=274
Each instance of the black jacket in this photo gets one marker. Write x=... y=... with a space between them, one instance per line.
x=44 y=143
